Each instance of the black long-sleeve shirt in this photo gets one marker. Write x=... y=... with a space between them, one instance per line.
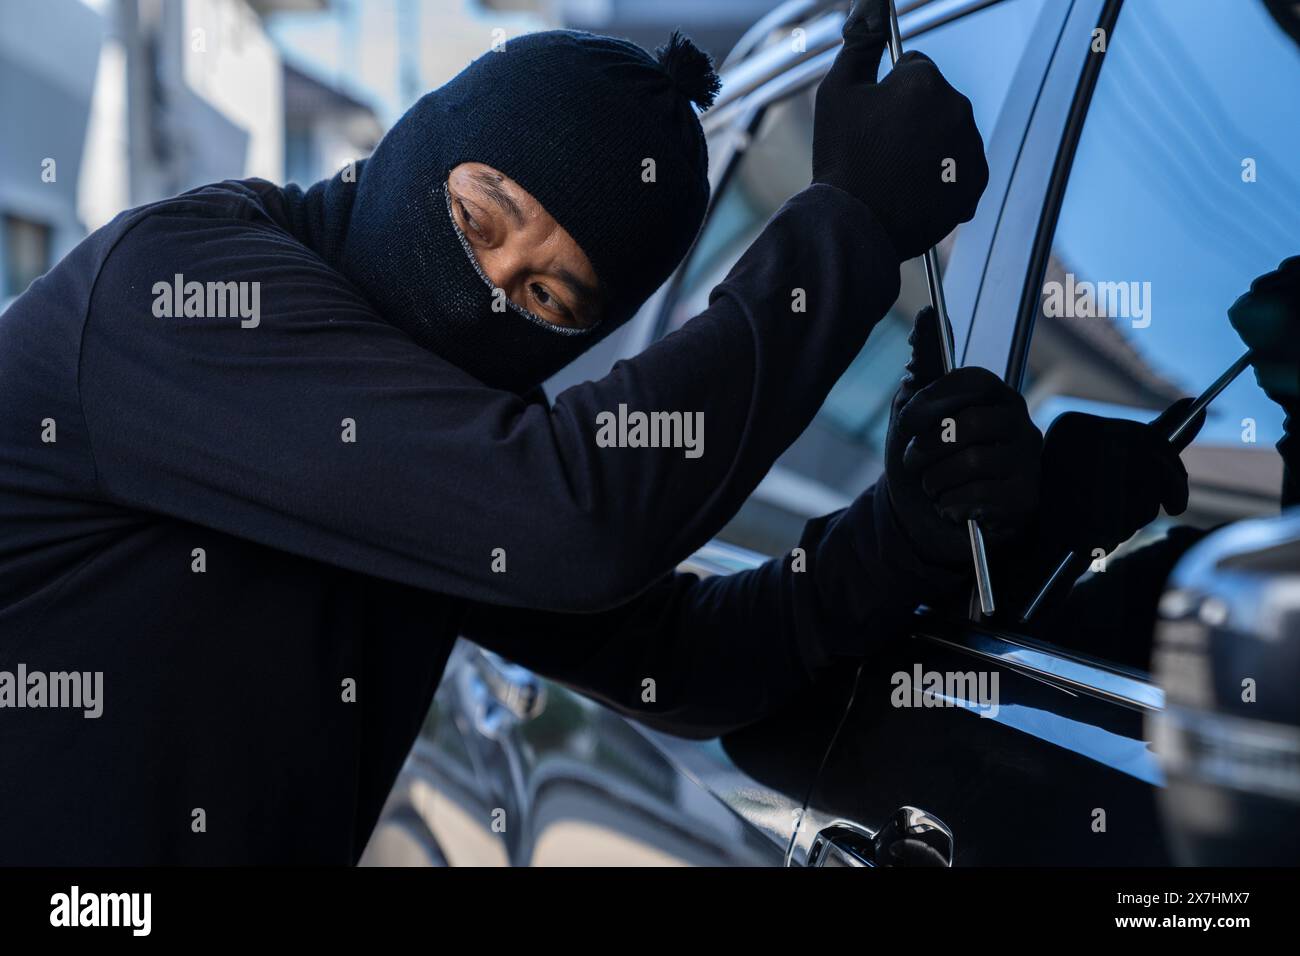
x=271 y=604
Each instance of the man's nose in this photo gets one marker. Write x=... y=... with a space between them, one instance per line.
x=507 y=268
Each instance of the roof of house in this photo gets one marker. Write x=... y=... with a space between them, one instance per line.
x=1100 y=343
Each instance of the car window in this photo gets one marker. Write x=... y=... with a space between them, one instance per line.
x=840 y=453
x=1184 y=187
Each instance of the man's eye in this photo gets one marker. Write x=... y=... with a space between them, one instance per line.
x=544 y=298
x=470 y=221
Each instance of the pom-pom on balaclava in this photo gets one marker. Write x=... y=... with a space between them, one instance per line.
x=573 y=118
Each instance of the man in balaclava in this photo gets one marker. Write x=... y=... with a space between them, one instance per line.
x=264 y=453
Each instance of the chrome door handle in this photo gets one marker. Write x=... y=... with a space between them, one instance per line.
x=913 y=837
x=910 y=837
x=843 y=844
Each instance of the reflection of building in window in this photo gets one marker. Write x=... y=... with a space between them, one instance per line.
x=1090 y=358
x=26 y=246
x=1079 y=360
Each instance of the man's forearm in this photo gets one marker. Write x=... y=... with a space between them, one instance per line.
x=699 y=657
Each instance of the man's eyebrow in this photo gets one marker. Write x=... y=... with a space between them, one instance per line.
x=588 y=296
x=492 y=186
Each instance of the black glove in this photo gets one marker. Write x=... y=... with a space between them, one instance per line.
x=886 y=142
x=960 y=446
x=1268 y=320
x=1106 y=478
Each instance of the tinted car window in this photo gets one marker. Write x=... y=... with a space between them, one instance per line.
x=840 y=453
x=1185 y=186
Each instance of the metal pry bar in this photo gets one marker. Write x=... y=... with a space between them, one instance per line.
x=933 y=280
x=1199 y=405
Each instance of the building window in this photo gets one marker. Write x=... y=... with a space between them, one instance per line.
x=26 y=248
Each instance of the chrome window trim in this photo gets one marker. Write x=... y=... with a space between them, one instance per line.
x=740 y=81
x=786 y=83
x=743 y=70
x=764 y=65
x=789 y=13
x=1059 y=669
x=1008 y=650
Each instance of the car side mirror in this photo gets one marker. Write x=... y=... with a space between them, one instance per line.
x=1227 y=655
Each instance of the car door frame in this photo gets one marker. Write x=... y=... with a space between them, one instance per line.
x=1007 y=296
x=998 y=338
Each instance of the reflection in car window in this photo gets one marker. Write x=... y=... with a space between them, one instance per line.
x=1183 y=189
x=840 y=453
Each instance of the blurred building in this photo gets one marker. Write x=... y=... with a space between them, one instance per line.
x=108 y=104
x=324 y=128
x=50 y=55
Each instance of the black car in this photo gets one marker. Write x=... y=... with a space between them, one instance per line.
x=1142 y=158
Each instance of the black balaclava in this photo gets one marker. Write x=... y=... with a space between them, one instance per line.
x=573 y=118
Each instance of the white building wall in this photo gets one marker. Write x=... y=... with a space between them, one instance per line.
x=227 y=60
x=104 y=183
x=74 y=73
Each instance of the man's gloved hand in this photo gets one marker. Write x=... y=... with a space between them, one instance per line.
x=1268 y=320
x=960 y=446
x=1106 y=478
x=886 y=143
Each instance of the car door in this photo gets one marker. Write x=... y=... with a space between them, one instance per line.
x=566 y=781
x=1138 y=175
